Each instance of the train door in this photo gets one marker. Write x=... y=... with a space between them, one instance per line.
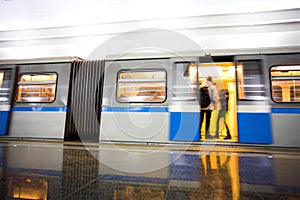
x=184 y=107
x=187 y=78
x=7 y=80
x=253 y=106
x=223 y=124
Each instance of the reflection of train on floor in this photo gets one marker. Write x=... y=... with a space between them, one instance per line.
x=75 y=173
x=150 y=100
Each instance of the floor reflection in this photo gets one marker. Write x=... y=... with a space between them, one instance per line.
x=58 y=171
x=27 y=187
x=219 y=175
x=80 y=174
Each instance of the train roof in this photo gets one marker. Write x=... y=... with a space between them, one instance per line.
x=41 y=60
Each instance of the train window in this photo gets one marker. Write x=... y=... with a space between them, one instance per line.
x=5 y=78
x=36 y=87
x=250 y=81
x=288 y=79
x=141 y=86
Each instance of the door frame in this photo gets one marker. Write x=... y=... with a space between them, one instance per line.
x=254 y=115
x=184 y=117
x=5 y=107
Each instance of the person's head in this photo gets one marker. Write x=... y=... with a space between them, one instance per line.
x=224 y=92
x=209 y=78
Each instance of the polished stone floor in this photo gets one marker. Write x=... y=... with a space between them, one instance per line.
x=57 y=170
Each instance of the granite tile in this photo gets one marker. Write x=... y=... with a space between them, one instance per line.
x=58 y=171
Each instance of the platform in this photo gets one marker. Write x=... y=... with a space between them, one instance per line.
x=70 y=170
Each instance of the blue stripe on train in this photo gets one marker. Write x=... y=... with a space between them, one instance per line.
x=41 y=109
x=255 y=128
x=184 y=126
x=4 y=116
x=134 y=109
x=286 y=110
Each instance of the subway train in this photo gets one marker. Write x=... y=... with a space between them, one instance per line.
x=150 y=100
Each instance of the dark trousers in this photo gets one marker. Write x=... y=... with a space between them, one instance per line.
x=222 y=114
x=208 y=116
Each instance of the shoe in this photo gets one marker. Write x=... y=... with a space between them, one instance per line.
x=209 y=137
x=217 y=135
x=227 y=138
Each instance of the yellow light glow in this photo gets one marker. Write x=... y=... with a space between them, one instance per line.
x=28 y=180
x=1 y=78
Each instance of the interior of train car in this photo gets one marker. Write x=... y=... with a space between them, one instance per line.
x=285 y=83
x=36 y=87
x=152 y=89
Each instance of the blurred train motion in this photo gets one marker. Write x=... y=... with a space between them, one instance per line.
x=150 y=99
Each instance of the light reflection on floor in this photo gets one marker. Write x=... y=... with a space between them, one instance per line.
x=39 y=170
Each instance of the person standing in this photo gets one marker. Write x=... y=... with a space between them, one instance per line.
x=208 y=99
x=224 y=97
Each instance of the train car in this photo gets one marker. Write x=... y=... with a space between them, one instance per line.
x=151 y=99
x=35 y=97
x=263 y=98
x=40 y=98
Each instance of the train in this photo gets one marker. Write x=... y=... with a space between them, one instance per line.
x=150 y=100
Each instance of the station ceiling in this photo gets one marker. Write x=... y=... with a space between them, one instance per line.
x=20 y=14
x=54 y=28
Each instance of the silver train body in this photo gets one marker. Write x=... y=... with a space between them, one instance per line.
x=150 y=100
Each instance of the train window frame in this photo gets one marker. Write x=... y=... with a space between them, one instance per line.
x=141 y=70
x=41 y=83
x=284 y=78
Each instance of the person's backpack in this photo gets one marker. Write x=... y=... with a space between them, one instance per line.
x=204 y=97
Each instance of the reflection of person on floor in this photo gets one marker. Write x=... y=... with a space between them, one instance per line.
x=215 y=177
x=223 y=98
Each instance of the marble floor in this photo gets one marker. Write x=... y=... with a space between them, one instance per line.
x=60 y=170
